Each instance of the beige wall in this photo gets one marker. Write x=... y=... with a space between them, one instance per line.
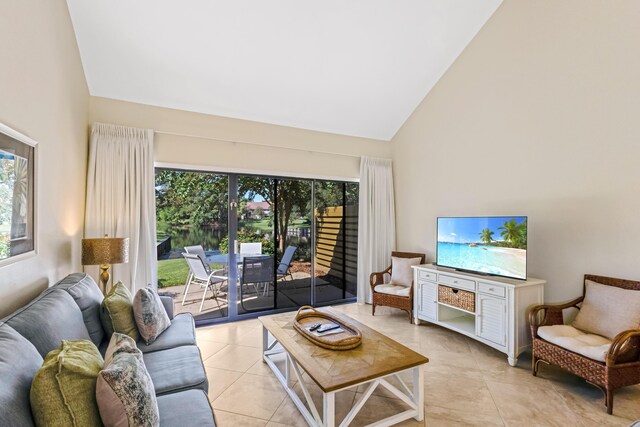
x=230 y=156
x=43 y=94
x=539 y=116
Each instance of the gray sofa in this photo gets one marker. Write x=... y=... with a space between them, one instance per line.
x=69 y=310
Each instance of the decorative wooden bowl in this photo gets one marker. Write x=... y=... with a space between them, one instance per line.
x=346 y=340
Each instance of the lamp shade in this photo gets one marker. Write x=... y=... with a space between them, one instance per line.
x=105 y=250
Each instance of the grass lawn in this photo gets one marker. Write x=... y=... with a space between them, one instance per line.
x=172 y=272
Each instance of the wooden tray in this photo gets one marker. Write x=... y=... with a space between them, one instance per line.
x=350 y=338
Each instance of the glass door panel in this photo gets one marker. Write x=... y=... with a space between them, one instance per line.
x=293 y=223
x=192 y=216
x=329 y=260
x=255 y=244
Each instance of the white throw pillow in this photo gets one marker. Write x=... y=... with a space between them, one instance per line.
x=608 y=310
x=401 y=271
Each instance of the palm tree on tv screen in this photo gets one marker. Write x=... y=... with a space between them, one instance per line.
x=512 y=232
x=486 y=236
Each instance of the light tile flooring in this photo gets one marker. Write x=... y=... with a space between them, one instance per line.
x=466 y=383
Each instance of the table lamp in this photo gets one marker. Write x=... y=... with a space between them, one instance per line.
x=104 y=252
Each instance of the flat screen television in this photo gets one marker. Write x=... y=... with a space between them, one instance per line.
x=494 y=245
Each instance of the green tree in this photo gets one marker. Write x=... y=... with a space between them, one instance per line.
x=292 y=197
x=486 y=236
x=191 y=198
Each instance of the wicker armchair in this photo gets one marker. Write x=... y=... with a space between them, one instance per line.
x=396 y=301
x=621 y=367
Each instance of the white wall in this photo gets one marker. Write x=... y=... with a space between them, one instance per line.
x=539 y=116
x=227 y=155
x=43 y=94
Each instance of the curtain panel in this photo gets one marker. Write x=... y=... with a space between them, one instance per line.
x=377 y=221
x=121 y=199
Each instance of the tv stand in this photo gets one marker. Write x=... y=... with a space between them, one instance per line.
x=491 y=310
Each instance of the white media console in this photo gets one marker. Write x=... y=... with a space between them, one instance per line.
x=499 y=318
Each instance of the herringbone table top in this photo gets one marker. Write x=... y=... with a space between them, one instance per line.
x=377 y=356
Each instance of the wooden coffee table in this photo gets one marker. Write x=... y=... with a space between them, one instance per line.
x=373 y=362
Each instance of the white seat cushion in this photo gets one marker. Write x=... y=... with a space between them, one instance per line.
x=589 y=345
x=390 y=289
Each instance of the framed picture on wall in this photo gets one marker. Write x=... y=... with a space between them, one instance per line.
x=17 y=196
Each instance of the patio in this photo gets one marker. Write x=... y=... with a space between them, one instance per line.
x=292 y=292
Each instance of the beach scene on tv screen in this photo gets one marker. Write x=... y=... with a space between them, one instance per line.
x=492 y=245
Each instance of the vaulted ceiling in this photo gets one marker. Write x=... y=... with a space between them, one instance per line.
x=353 y=67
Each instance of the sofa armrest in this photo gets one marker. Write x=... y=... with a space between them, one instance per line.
x=625 y=348
x=168 y=305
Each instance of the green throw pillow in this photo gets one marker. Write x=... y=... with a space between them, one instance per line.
x=63 y=391
x=116 y=312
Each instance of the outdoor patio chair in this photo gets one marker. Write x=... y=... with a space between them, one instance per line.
x=196 y=250
x=284 y=265
x=200 y=276
x=256 y=271
x=251 y=248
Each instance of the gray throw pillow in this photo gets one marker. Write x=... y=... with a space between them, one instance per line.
x=124 y=390
x=150 y=315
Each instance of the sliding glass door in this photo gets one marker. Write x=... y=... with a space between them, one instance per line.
x=278 y=243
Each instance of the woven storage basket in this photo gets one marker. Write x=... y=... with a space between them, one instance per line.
x=457 y=298
x=350 y=338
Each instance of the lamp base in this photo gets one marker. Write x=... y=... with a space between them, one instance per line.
x=104 y=278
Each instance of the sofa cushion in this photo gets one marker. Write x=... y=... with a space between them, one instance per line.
x=151 y=317
x=87 y=295
x=608 y=310
x=124 y=390
x=176 y=369
x=63 y=392
x=19 y=361
x=401 y=271
x=116 y=312
x=182 y=331
x=193 y=402
x=589 y=345
x=402 y=291
x=50 y=318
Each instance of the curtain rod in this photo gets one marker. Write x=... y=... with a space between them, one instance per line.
x=255 y=143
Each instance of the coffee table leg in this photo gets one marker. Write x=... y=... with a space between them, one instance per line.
x=329 y=409
x=265 y=342
x=418 y=391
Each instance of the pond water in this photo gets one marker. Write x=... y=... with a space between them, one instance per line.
x=208 y=237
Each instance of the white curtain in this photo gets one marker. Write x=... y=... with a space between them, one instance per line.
x=121 y=198
x=376 y=221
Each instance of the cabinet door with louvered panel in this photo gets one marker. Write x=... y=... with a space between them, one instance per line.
x=491 y=322
x=428 y=307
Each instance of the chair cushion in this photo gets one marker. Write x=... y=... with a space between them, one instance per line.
x=176 y=369
x=87 y=295
x=151 y=317
x=50 y=318
x=116 y=312
x=63 y=392
x=174 y=406
x=608 y=310
x=589 y=345
x=182 y=331
x=402 y=291
x=19 y=361
x=124 y=390
x=401 y=271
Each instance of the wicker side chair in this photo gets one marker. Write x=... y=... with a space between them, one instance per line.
x=401 y=302
x=621 y=366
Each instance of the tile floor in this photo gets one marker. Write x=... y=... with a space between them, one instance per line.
x=466 y=383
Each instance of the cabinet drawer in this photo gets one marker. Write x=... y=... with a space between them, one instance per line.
x=427 y=275
x=490 y=289
x=456 y=282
